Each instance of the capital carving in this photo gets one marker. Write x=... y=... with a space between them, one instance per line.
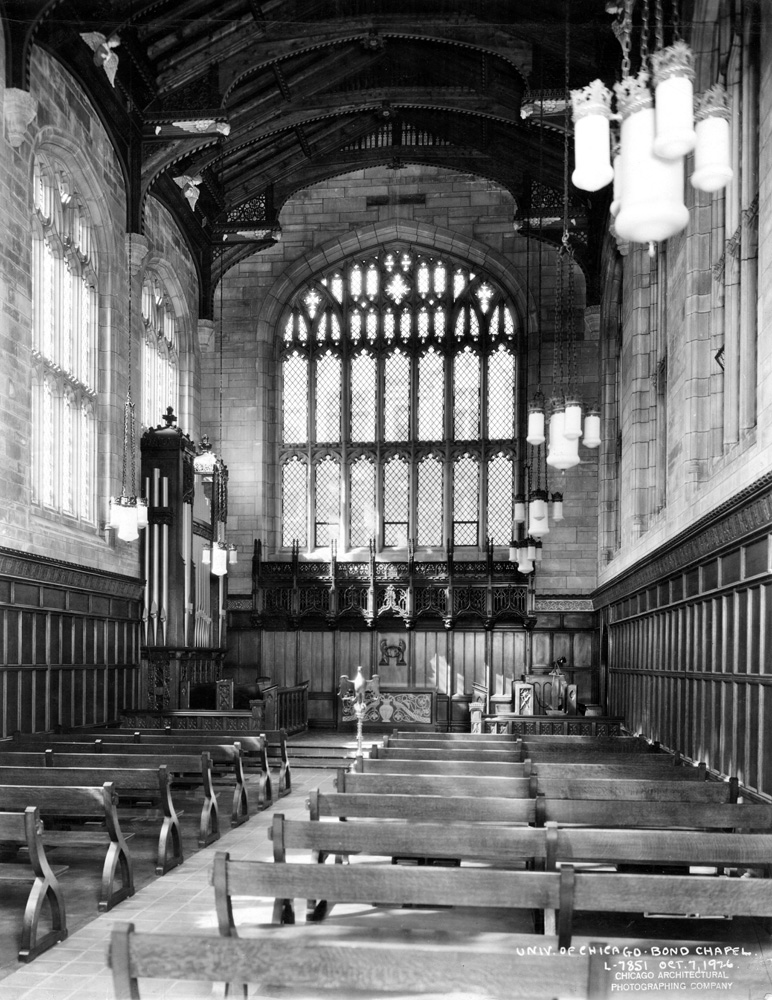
x=137 y=248
x=206 y=340
x=19 y=110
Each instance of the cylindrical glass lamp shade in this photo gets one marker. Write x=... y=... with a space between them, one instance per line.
x=572 y=426
x=233 y=556
x=537 y=506
x=519 y=508
x=651 y=198
x=514 y=552
x=141 y=512
x=127 y=528
x=557 y=506
x=592 y=136
x=537 y=529
x=674 y=101
x=712 y=152
x=563 y=452
x=538 y=549
x=535 y=435
x=206 y=556
x=115 y=516
x=525 y=566
x=592 y=430
x=219 y=560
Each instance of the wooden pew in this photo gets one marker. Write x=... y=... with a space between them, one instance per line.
x=183 y=769
x=131 y=784
x=255 y=748
x=658 y=767
x=492 y=965
x=650 y=790
x=481 y=738
x=744 y=816
x=514 y=755
x=480 y=889
x=89 y=802
x=24 y=829
x=501 y=845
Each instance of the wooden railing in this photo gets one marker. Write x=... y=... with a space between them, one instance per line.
x=286 y=707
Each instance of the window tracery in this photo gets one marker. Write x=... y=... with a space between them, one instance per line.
x=389 y=362
x=160 y=357
x=65 y=341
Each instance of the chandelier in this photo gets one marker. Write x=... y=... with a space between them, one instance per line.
x=659 y=124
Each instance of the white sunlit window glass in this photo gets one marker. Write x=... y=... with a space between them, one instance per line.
x=65 y=340
x=501 y=394
x=466 y=396
x=364 y=399
x=294 y=491
x=328 y=402
x=362 y=526
x=160 y=362
x=385 y=356
x=500 y=484
x=429 y=502
x=327 y=502
x=466 y=480
x=431 y=397
x=295 y=399
x=396 y=392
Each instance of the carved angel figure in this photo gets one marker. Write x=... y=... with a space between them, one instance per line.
x=359 y=691
x=104 y=51
x=189 y=187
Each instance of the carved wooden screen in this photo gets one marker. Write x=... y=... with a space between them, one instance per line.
x=399 y=375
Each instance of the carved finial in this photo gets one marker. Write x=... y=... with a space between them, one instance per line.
x=169 y=417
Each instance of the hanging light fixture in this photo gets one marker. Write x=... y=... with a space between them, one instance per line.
x=128 y=513
x=205 y=461
x=656 y=111
x=712 y=151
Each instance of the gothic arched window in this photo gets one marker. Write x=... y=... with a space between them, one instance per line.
x=398 y=379
x=160 y=363
x=65 y=345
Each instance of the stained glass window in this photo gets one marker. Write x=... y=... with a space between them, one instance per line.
x=65 y=345
x=388 y=361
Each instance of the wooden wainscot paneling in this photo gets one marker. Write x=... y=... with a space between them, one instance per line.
x=686 y=633
x=70 y=641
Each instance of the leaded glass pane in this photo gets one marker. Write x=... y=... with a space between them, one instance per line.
x=294 y=491
x=355 y=281
x=423 y=323
x=355 y=326
x=327 y=522
x=335 y=329
x=388 y=325
x=459 y=283
x=509 y=323
x=372 y=325
x=362 y=525
x=484 y=294
x=295 y=399
x=68 y=446
x=86 y=462
x=431 y=397
x=465 y=501
x=396 y=397
x=423 y=279
x=64 y=354
x=48 y=452
x=440 y=278
x=328 y=371
x=466 y=396
x=501 y=389
x=396 y=483
x=363 y=397
x=429 y=502
x=371 y=286
x=440 y=318
x=474 y=324
x=321 y=328
x=500 y=490
x=312 y=301
x=405 y=324
x=336 y=287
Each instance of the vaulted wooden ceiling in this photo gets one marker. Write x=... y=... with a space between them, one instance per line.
x=255 y=100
